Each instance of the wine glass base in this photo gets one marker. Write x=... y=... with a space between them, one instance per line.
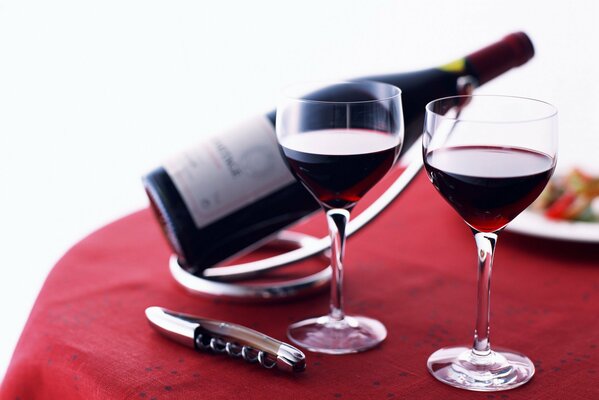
x=500 y=370
x=324 y=334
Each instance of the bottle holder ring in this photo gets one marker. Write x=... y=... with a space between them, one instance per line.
x=205 y=286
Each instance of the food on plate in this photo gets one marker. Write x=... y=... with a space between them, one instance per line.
x=574 y=196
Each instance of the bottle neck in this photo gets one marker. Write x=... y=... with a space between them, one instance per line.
x=512 y=51
x=489 y=62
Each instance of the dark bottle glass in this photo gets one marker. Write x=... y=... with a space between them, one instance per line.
x=233 y=190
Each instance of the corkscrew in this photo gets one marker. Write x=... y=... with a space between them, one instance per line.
x=234 y=340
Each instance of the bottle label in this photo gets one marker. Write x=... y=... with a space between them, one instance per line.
x=226 y=172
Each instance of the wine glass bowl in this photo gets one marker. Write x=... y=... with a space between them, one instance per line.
x=339 y=140
x=489 y=157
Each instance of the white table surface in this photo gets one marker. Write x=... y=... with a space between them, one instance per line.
x=94 y=94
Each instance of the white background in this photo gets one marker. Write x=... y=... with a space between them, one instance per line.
x=93 y=94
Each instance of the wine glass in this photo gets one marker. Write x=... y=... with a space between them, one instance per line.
x=339 y=140
x=489 y=157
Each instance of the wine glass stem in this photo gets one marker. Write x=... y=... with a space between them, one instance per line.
x=337 y=220
x=485 y=245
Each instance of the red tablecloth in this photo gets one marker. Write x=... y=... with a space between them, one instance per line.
x=414 y=269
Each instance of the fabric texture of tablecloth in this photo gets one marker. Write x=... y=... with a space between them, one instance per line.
x=414 y=269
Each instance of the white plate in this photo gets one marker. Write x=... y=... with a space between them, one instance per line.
x=535 y=224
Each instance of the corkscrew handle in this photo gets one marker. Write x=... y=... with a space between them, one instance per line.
x=225 y=337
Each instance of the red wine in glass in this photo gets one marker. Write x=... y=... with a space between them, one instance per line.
x=488 y=185
x=338 y=166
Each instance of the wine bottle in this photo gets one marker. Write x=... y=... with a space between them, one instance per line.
x=232 y=191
